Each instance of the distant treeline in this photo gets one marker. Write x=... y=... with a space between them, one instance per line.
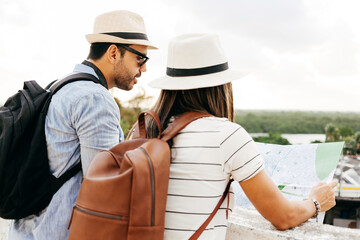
x=294 y=122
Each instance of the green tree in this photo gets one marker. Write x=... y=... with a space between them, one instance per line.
x=357 y=141
x=274 y=138
x=332 y=133
x=345 y=132
x=131 y=111
x=294 y=122
x=350 y=145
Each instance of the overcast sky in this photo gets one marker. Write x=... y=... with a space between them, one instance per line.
x=301 y=54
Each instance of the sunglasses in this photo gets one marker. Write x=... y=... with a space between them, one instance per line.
x=142 y=58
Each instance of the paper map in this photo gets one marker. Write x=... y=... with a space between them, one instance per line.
x=296 y=168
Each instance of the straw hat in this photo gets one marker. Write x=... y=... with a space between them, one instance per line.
x=120 y=27
x=195 y=61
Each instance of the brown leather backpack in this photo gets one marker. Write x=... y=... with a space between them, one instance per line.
x=124 y=191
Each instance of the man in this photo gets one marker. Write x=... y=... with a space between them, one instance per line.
x=83 y=117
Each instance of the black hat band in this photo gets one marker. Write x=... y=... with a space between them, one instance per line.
x=128 y=35
x=186 y=72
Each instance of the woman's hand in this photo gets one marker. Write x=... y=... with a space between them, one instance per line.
x=324 y=194
x=281 y=212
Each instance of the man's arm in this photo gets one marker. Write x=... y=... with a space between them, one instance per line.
x=97 y=125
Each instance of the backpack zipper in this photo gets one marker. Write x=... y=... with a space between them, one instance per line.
x=99 y=214
x=152 y=186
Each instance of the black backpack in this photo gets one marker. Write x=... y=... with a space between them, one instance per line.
x=26 y=184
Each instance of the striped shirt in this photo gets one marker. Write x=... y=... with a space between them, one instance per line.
x=204 y=156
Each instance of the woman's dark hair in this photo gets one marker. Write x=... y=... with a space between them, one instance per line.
x=217 y=101
x=97 y=50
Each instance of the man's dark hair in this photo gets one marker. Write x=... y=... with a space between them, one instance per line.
x=97 y=50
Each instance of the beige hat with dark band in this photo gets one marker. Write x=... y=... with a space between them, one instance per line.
x=196 y=61
x=120 y=27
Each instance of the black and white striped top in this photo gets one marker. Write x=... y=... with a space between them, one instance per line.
x=204 y=156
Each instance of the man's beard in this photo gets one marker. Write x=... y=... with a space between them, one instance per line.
x=124 y=81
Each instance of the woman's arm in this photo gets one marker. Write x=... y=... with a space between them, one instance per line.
x=281 y=212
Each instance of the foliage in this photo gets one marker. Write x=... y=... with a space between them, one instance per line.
x=129 y=114
x=332 y=133
x=346 y=131
x=346 y=134
x=294 y=121
x=357 y=141
x=350 y=145
x=274 y=138
x=357 y=137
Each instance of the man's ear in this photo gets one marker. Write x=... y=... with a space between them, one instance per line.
x=112 y=53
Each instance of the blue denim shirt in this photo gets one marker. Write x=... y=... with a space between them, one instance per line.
x=82 y=119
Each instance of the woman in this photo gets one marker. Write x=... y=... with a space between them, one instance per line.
x=210 y=151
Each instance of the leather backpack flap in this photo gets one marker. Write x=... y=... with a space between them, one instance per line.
x=120 y=149
x=110 y=172
x=106 y=177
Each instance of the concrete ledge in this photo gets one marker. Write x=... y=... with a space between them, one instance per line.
x=249 y=224
x=4 y=229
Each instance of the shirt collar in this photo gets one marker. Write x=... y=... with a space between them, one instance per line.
x=100 y=75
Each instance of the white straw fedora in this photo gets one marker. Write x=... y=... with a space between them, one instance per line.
x=120 y=27
x=196 y=61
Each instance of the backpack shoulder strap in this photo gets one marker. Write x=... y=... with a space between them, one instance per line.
x=139 y=129
x=198 y=232
x=58 y=182
x=73 y=78
x=180 y=122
